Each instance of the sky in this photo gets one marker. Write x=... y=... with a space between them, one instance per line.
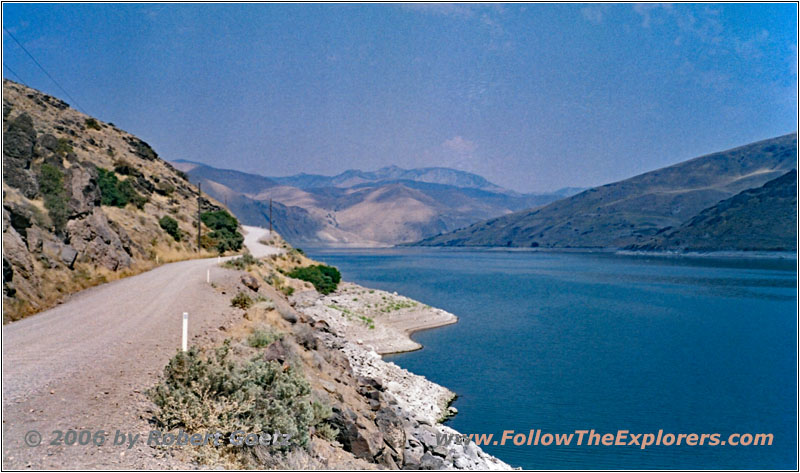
x=534 y=97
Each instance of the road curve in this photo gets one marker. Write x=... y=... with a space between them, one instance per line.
x=252 y=236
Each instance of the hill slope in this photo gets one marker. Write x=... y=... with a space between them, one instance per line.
x=356 y=208
x=82 y=202
x=761 y=219
x=629 y=212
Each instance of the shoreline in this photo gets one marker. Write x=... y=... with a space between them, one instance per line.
x=365 y=324
x=379 y=320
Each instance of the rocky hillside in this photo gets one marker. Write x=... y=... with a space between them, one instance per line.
x=760 y=219
x=632 y=211
x=84 y=202
x=358 y=208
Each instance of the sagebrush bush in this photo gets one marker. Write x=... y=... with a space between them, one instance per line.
x=211 y=392
x=322 y=414
x=261 y=338
x=243 y=262
x=170 y=225
x=242 y=301
x=324 y=278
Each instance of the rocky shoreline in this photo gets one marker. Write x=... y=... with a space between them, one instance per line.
x=364 y=323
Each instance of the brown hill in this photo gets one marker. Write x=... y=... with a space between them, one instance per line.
x=630 y=212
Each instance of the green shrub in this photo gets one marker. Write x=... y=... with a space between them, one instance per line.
x=324 y=278
x=224 y=235
x=125 y=168
x=201 y=392
x=218 y=219
x=64 y=147
x=54 y=194
x=241 y=301
x=242 y=262
x=170 y=225
x=225 y=240
x=331 y=272
x=262 y=338
x=92 y=123
x=115 y=192
x=322 y=416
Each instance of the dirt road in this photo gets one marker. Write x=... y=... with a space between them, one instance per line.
x=86 y=364
x=252 y=236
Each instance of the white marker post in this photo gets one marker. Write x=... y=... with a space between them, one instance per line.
x=185 y=338
x=208 y=275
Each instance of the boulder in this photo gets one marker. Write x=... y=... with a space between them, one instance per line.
x=68 y=255
x=48 y=142
x=83 y=191
x=391 y=427
x=357 y=436
x=96 y=242
x=275 y=351
x=461 y=462
x=141 y=149
x=287 y=313
x=18 y=215
x=250 y=282
x=17 y=262
x=430 y=462
x=412 y=455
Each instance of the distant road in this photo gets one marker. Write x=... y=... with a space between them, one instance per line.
x=259 y=250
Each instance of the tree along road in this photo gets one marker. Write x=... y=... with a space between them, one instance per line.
x=86 y=364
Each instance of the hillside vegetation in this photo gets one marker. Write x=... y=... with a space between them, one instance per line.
x=85 y=202
x=633 y=211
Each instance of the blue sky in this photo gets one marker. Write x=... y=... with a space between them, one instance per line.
x=533 y=97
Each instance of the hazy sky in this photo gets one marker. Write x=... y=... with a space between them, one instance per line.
x=533 y=97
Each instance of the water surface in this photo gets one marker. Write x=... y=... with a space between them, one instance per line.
x=573 y=341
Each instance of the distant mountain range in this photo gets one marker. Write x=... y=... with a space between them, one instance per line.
x=711 y=202
x=354 y=177
x=363 y=208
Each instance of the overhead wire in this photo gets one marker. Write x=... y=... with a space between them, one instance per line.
x=77 y=105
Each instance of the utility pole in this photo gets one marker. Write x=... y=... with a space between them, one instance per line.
x=270 y=216
x=199 y=197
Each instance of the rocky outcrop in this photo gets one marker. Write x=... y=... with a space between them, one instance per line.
x=84 y=194
x=96 y=241
x=18 y=269
x=60 y=233
x=18 y=146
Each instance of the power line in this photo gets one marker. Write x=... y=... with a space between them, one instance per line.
x=15 y=74
x=45 y=71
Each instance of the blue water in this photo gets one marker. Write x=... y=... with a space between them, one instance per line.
x=565 y=342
